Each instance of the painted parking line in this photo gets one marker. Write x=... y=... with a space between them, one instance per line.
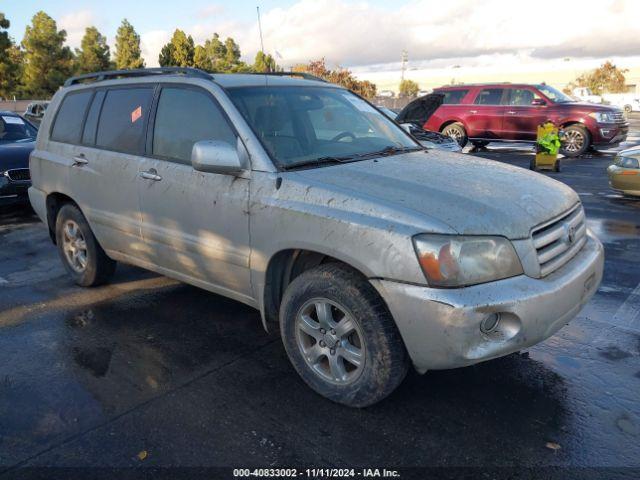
x=628 y=315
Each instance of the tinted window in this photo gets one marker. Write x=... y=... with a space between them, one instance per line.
x=520 y=97
x=489 y=96
x=453 y=97
x=184 y=117
x=68 y=124
x=123 y=118
x=89 y=135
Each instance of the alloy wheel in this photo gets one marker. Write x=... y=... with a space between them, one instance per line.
x=573 y=141
x=74 y=246
x=330 y=341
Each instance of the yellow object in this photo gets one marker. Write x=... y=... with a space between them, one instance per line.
x=547 y=143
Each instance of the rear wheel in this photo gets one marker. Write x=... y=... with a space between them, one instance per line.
x=457 y=132
x=340 y=336
x=576 y=141
x=81 y=255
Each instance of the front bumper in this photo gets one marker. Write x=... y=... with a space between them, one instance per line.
x=14 y=193
x=441 y=327
x=609 y=134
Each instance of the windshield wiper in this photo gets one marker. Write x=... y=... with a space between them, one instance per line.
x=328 y=160
x=392 y=150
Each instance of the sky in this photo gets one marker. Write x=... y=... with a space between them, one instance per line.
x=369 y=35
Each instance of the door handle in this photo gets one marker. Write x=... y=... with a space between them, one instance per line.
x=80 y=160
x=511 y=112
x=151 y=174
x=473 y=111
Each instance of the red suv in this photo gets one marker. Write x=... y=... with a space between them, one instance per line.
x=511 y=112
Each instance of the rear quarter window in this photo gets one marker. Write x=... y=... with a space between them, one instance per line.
x=122 y=123
x=67 y=126
x=453 y=97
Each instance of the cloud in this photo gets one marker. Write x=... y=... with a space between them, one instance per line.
x=151 y=43
x=360 y=33
x=211 y=11
x=75 y=25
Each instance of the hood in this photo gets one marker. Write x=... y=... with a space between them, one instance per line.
x=421 y=109
x=471 y=195
x=15 y=155
x=593 y=107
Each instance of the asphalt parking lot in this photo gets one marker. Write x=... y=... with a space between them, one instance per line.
x=150 y=372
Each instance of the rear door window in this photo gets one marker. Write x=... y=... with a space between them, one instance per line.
x=186 y=116
x=453 y=97
x=89 y=135
x=67 y=127
x=123 y=117
x=490 y=96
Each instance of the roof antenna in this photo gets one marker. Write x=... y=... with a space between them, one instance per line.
x=260 y=29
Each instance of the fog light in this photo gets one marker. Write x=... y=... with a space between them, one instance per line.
x=605 y=132
x=490 y=323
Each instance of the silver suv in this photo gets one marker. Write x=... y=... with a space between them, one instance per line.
x=302 y=200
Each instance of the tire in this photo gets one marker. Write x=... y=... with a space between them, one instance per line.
x=80 y=252
x=532 y=164
x=338 y=290
x=556 y=166
x=457 y=132
x=628 y=109
x=576 y=141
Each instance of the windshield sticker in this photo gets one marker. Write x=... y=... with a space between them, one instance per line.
x=136 y=114
x=359 y=103
x=13 y=120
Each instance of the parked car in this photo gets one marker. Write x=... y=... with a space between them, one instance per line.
x=624 y=173
x=386 y=94
x=35 y=111
x=508 y=112
x=302 y=200
x=426 y=138
x=17 y=140
x=626 y=101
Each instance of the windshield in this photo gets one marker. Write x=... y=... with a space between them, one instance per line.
x=306 y=125
x=15 y=129
x=554 y=94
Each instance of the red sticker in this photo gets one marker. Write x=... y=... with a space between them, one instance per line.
x=136 y=114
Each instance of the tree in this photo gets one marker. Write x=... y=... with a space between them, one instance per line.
x=178 y=52
x=264 y=63
x=9 y=61
x=201 y=60
x=409 y=88
x=128 y=54
x=341 y=76
x=93 y=55
x=47 y=62
x=605 y=79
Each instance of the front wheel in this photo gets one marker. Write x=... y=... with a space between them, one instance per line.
x=80 y=252
x=340 y=336
x=457 y=132
x=576 y=141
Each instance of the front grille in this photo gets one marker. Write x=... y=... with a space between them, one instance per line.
x=557 y=241
x=618 y=117
x=19 y=174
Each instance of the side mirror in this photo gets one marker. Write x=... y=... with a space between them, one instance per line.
x=214 y=156
x=538 y=102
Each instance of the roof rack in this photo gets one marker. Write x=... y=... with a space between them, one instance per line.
x=140 y=72
x=305 y=75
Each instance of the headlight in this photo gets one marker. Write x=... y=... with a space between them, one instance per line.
x=458 y=261
x=603 y=117
x=3 y=179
